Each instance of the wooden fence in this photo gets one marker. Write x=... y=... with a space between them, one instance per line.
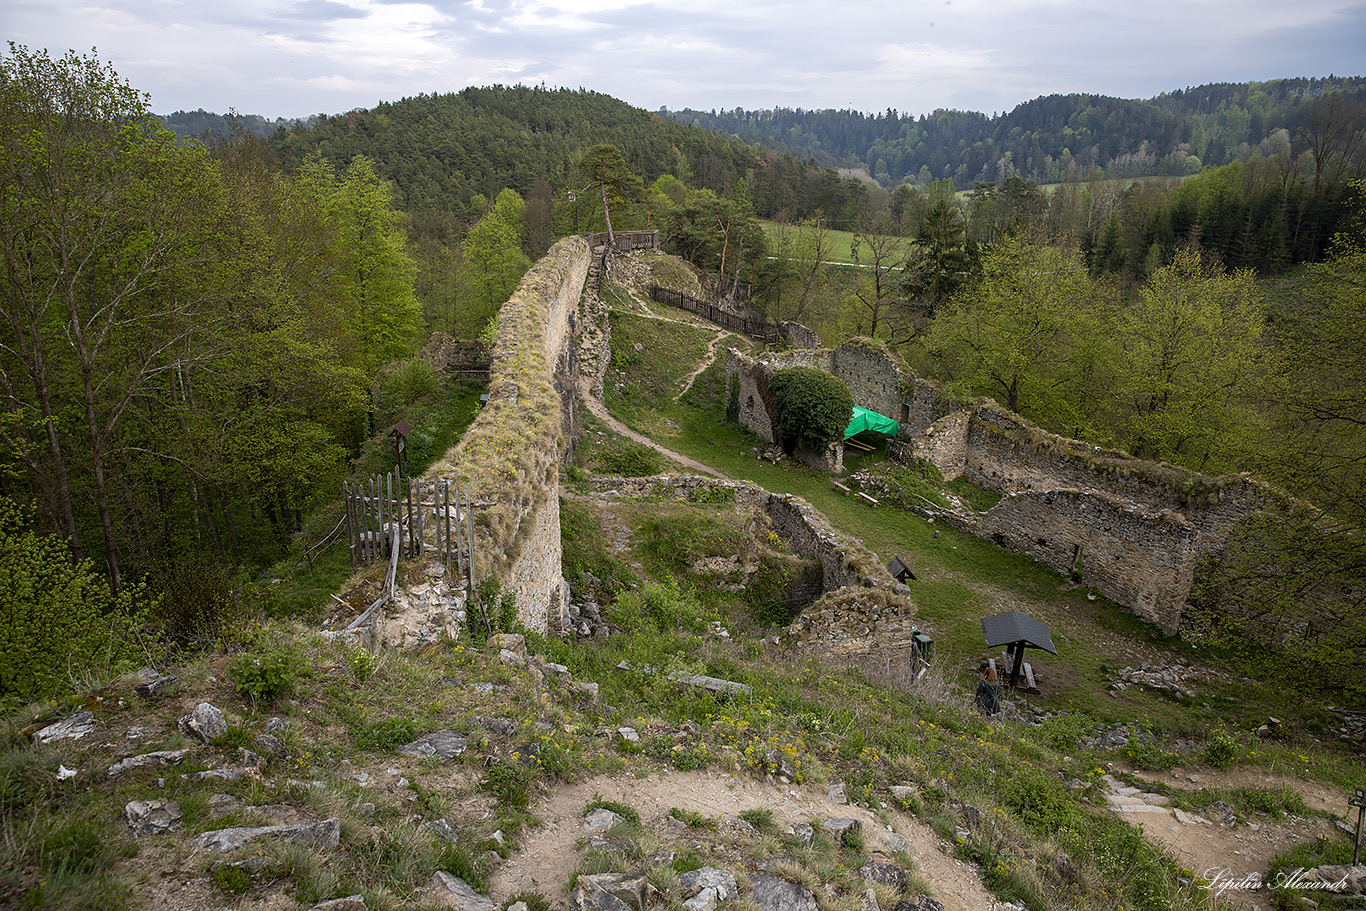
x=757 y=329
x=625 y=241
x=412 y=517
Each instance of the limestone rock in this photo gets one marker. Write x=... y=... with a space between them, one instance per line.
x=842 y=829
x=271 y=745
x=801 y=831
x=73 y=728
x=456 y=893
x=350 y=903
x=444 y=829
x=603 y=819
x=611 y=892
x=446 y=744
x=206 y=723
x=707 y=887
x=870 y=901
x=884 y=874
x=153 y=684
x=325 y=834
x=160 y=757
x=149 y=817
x=773 y=893
x=508 y=642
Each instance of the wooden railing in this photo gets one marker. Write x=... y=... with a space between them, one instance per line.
x=757 y=329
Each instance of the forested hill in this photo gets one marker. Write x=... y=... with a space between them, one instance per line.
x=1047 y=139
x=441 y=151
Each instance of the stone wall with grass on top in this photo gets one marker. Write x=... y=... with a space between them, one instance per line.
x=1141 y=527
x=511 y=453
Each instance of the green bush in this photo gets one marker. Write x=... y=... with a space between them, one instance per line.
x=267 y=674
x=661 y=607
x=629 y=460
x=811 y=408
x=1222 y=751
x=386 y=734
x=677 y=542
x=59 y=620
x=409 y=382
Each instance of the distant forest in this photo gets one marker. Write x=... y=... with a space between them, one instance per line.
x=1048 y=140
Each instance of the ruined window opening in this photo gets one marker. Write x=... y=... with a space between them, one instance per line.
x=905 y=412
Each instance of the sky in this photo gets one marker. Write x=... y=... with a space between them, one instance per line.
x=292 y=58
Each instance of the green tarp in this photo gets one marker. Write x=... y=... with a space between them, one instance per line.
x=864 y=419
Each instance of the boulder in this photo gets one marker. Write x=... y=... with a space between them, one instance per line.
x=773 y=893
x=454 y=892
x=508 y=642
x=445 y=744
x=160 y=757
x=603 y=819
x=611 y=892
x=884 y=874
x=271 y=745
x=153 y=684
x=325 y=834
x=843 y=830
x=444 y=829
x=206 y=723
x=707 y=887
x=73 y=728
x=150 y=817
x=801 y=831
x=350 y=903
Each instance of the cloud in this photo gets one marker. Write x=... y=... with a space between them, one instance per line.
x=303 y=56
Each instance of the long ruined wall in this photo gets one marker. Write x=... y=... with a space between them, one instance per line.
x=511 y=453
x=1134 y=530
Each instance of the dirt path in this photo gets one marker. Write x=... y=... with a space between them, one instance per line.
x=1200 y=843
x=706 y=362
x=551 y=852
x=599 y=411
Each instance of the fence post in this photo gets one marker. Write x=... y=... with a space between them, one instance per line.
x=350 y=530
x=421 y=517
x=446 y=518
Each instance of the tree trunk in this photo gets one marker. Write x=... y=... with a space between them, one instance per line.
x=607 y=217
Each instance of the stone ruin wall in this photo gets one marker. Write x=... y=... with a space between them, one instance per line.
x=1140 y=527
x=523 y=551
x=860 y=614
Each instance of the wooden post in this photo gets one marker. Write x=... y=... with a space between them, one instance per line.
x=412 y=526
x=446 y=518
x=1358 y=801
x=365 y=485
x=421 y=517
x=350 y=531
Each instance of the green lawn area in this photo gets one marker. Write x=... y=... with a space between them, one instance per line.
x=842 y=241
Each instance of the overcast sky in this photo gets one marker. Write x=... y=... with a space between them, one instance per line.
x=296 y=57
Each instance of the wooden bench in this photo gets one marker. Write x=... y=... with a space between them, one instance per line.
x=841 y=488
x=1027 y=674
x=871 y=501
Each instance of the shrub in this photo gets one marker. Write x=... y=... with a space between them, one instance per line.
x=630 y=460
x=59 y=620
x=811 y=408
x=266 y=675
x=386 y=734
x=409 y=382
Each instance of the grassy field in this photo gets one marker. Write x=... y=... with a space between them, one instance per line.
x=841 y=241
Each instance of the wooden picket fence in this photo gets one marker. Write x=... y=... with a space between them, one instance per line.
x=413 y=517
